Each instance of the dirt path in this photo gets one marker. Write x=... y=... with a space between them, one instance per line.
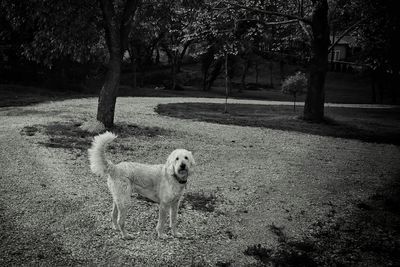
x=267 y=187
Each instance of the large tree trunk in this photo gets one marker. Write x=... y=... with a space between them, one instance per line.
x=314 y=105
x=117 y=26
x=109 y=92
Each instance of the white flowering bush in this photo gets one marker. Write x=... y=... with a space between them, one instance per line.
x=295 y=85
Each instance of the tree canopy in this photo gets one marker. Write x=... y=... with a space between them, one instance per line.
x=52 y=29
x=46 y=31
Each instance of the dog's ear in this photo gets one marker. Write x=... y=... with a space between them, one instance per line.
x=170 y=164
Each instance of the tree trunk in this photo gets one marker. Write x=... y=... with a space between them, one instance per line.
x=157 y=60
x=314 y=104
x=381 y=85
x=174 y=66
x=181 y=55
x=373 y=86
x=134 y=71
x=214 y=73
x=281 y=68
x=174 y=76
x=394 y=84
x=256 y=69
x=207 y=60
x=117 y=27
x=132 y=56
x=205 y=77
x=246 y=66
x=271 y=81
x=109 y=92
x=226 y=83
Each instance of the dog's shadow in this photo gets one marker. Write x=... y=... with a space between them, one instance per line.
x=142 y=198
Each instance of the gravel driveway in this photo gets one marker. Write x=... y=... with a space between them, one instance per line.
x=266 y=187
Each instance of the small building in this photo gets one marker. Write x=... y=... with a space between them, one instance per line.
x=342 y=57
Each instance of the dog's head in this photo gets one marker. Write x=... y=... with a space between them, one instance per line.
x=180 y=164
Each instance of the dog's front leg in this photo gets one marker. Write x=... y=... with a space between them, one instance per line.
x=162 y=218
x=173 y=216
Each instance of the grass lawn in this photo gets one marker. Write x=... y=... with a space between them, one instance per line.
x=18 y=95
x=370 y=125
x=258 y=197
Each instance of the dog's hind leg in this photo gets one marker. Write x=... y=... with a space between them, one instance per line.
x=114 y=216
x=121 y=221
x=121 y=192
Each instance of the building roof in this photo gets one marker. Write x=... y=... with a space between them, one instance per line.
x=346 y=40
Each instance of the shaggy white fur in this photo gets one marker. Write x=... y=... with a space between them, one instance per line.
x=163 y=183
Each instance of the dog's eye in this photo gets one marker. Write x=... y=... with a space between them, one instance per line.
x=186 y=158
x=177 y=158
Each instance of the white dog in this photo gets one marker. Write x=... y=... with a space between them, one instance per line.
x=162 y=183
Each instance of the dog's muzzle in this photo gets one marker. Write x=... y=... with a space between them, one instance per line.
x=180 y=180
x=182 y=174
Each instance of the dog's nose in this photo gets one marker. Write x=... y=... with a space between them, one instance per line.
x=183 y=166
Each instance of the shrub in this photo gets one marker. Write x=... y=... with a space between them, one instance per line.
x=295 y=85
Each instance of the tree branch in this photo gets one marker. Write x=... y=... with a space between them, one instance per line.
x=126 y=21
x=275 y=23
x=185 y=47
x=108 y=11
x=270 y=13
x=280 y=22
x=129 y=12
x=349 y=29
x=306 y=31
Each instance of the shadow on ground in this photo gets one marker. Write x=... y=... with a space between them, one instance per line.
x=368 y=237
x=368 y=125
x=68 y=135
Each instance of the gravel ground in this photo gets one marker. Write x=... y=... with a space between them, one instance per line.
x=263 y=187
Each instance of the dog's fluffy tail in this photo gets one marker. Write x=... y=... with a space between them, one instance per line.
x=98 y=162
